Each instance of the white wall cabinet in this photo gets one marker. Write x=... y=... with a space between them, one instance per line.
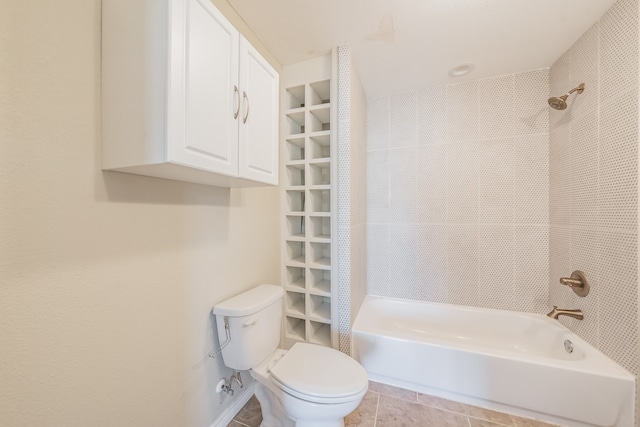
x=185 y=96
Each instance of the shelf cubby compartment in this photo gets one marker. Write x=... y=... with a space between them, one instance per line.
x=295 y=97
x=320 y=227
x=295 y=226
x=295 y=328
x=295 y=277
x=320 y=308
x=320 y=333
x=295 y=252
x=320 y=253
x=319 y=93
x=320 y=281
x=295 y=149
x=320 y=145
x=295 y=175
x=321 y=173
x=320 y=200
x=320 y=118
x=295 y=303
x=295 y=121
x=295 y=200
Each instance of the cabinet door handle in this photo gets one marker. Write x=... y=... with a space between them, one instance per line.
x=246 y=116
x=236 y=92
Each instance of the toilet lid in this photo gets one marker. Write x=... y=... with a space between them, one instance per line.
x=319 y=374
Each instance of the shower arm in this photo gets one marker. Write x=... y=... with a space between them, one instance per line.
x=579 y=89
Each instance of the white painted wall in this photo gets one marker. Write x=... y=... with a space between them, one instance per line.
x=106 y=279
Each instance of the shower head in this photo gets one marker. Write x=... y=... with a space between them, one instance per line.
x=560 y=103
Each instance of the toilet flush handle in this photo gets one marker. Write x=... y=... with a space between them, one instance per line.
x=250 y=322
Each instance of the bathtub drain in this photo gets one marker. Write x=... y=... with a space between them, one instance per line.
x=568 y=345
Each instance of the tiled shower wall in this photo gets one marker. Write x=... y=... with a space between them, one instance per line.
x=594 y=183
x=457 y=189
x=352 y=139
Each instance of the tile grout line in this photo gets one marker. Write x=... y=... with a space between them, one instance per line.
x=375 y=417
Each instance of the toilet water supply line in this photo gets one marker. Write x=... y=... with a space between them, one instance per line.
x=224 y=344
x=224 y=384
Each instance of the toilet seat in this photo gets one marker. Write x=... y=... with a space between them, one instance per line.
x=319 y=374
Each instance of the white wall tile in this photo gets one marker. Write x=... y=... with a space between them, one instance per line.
x=378 y=186
x=378 y=262
x=496 y=110
x=619 y=297
x=618 y=49
x=402 y=261
x=495 y=266
x=402 y=185
x=531 y=179
x=531 y=268
x=496 y=181
x=402 y=120
x=431 y=262
x=432 y=116
x=559 y=83
x=462 y=111
x=378 y=123
x=462 y=183
x=560 y=175
x=584 y=69
x=462 y=264
x=463 y=169
x=559 y=264
x=618 y=174
x=531 y=91
x=431 y=184
x=583 y=170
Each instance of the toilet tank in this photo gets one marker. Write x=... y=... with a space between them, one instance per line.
x=254 y=318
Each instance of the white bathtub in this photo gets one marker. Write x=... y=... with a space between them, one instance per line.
x=508 y=361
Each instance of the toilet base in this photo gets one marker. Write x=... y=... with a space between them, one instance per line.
x=274 y=413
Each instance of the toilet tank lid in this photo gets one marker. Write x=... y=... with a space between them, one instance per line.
x=249 y=302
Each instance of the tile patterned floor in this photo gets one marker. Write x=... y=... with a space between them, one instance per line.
x=386 y=406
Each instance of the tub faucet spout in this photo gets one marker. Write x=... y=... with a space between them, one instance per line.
x=557 y=312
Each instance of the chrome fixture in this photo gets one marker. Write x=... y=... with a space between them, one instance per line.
x=568 y=346
x=560 y=103
x=236 y=377
x=226 y=384
x=557 y=312
x=578 y=282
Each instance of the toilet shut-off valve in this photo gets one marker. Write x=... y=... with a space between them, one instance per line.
x=225 y=384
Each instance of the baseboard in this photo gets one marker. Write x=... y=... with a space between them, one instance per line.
x=229 y=414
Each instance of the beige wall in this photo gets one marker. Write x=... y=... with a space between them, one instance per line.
x=106 y=279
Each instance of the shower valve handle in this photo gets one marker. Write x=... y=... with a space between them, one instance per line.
x=578 y=282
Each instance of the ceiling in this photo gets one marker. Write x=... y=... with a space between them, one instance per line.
x=402 y=45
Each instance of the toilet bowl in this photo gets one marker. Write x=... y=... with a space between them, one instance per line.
x=306 y=386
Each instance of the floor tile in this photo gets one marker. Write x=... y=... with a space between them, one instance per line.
x=482 y=423
x=235 y=424
x=525 y=422
x=251 y=414
x=400 y=413
x=461 y=408
x=392 y=391
x=365 y=414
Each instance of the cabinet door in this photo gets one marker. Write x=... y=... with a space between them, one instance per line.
x=211 y=93
x=258 y=148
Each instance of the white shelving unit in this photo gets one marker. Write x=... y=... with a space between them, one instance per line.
x=307 y=216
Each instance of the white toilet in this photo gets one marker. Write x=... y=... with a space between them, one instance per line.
x=307 y=386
